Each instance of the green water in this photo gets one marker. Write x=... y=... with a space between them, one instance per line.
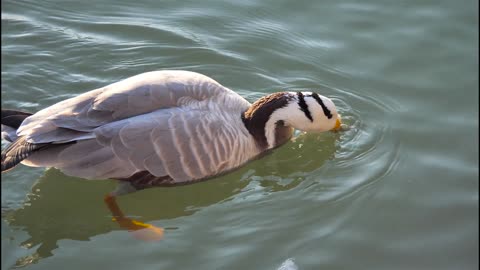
x=397 y=190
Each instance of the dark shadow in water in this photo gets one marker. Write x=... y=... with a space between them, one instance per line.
x=63 y=207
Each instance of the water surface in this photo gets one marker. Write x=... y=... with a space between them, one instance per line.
x=397 y=190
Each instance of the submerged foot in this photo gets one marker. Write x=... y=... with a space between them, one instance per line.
x=139 y=229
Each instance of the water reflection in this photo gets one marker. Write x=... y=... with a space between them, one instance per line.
x=62 y=207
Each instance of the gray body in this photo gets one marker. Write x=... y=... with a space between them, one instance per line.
x=159 y=128
x=170 y=123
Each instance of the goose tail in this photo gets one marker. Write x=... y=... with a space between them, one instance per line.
x=11 y=121
x=19 y=149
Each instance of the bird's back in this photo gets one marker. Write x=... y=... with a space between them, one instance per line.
x=170 y=124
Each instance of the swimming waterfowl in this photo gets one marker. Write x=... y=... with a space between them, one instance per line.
x=160 y=128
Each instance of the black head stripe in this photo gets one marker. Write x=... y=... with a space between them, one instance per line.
x=326 y=111
x=303 y=106
x=256 y=117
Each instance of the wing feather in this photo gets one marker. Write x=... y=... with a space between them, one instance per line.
x=170 y=146
x=170 y=123
x=134 y=96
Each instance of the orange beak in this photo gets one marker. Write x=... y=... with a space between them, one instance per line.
x=338 y=124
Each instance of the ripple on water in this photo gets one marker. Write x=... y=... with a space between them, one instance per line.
x=329 y=166
x=365 y=152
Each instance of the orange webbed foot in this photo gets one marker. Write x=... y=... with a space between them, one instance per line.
x=139 y=229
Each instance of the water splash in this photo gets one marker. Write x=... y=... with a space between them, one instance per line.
x=289 y=264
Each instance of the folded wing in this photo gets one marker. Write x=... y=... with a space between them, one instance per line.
x=77 y=117
x=178 y=124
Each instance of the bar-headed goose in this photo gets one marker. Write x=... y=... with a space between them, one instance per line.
x=159 y=128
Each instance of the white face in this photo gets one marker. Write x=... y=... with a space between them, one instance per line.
x=309 y=111
x=324 y=117
x=305 y=111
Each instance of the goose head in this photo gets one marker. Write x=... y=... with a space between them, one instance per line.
x=272 y=119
